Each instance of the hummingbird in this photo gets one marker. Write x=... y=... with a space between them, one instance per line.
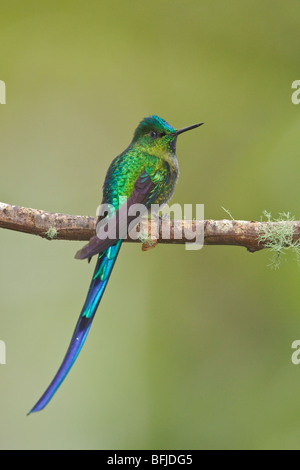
x=145 y=173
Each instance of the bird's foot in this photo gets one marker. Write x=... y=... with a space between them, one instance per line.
x=149 y=243
x=149 y=240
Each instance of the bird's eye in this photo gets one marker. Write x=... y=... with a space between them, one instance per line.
x=153 y=134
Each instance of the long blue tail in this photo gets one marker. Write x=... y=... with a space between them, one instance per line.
x=104 y=266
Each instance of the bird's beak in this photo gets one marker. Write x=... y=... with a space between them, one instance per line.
x=184 y=129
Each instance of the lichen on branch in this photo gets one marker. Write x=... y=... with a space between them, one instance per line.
x=278 y=235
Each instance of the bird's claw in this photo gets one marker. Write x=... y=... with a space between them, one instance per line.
x=148 y=240
x=149 y=244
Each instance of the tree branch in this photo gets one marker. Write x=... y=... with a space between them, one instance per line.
x=55 y=226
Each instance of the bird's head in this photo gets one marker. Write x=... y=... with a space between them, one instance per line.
x=156 y=137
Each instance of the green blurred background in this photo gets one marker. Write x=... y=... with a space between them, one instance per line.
x=190 y=349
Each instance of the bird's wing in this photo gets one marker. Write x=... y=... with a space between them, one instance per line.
x=116 y=226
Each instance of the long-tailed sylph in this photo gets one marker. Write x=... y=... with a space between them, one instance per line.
x=145 y=173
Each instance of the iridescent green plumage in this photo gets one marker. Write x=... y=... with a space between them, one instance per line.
x=145 y=173
x=152 y=151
